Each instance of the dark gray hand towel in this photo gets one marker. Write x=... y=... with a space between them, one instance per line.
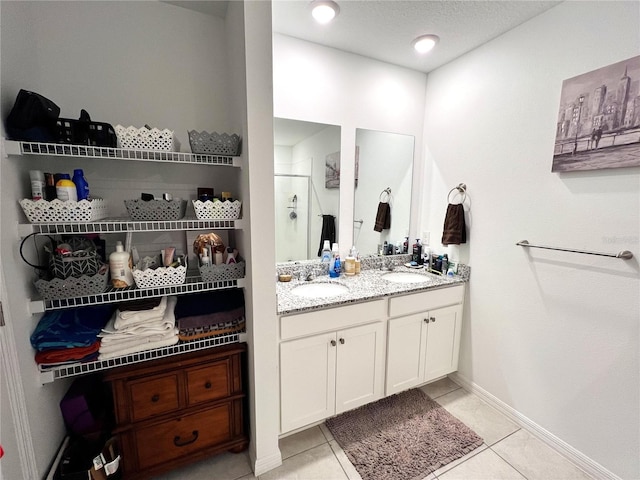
x=383 y=217
x=328 y=231
x=455 y=230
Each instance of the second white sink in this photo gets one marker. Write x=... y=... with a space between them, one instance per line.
x=319 y=290
x=406 y=277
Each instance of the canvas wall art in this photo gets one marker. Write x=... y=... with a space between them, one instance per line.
x=599 y=119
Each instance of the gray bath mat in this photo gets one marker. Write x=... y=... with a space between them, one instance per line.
x=401 y=437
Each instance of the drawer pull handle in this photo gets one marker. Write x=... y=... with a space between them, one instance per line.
x=342 y=341
x=333 y=343
x=207 y=385
x=155 y=398
x=178 y=443
x=433 y=319
x=426 y=320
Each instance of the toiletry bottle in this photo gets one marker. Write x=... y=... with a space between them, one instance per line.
x=417 y=252
x=334 y=265
x=66 y=189
x=445 y=264
x=120 y=267
x=426 y=250
x=385 y=247
x=50 y=187
x=356 y=255
x=205 y=259
x=82 y=187
x=325 y=256
x=37 y=184
x=350 y=263
x=405 y=245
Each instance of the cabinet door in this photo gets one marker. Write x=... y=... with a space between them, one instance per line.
x=360 y=366
x=406 y=352
x=307 y=380
x=443 y=341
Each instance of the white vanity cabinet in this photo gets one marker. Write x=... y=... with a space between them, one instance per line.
x=331 y=361
x=423 y=340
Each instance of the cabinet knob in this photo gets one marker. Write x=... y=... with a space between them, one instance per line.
x=333 y=343
x=426 y=320
x=207 y=385
x=342 y=341
x=155 y=398
x=433 y=319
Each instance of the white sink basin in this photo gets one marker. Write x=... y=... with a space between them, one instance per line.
x=319 y=290
x=406 y=277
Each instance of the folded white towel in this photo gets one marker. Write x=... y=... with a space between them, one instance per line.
x=127 y=319
x=139 y=348
x=165 y=325
x=127 y=343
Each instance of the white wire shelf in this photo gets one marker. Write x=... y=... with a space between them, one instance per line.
x=50 y=374
x=118 y=225
x=13 y=147
x=193 y=284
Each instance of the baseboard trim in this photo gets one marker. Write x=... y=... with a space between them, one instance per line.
x=578 y=458
x=264 y=464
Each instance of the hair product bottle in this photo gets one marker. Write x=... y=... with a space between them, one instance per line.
x=120 y=267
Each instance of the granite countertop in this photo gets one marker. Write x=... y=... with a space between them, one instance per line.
x=367 y=285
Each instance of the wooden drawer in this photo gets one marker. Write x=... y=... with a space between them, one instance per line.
x=182 y=436
x=210 y=382
x=153 y=396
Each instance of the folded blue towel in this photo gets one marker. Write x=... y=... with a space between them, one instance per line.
x=74 y=327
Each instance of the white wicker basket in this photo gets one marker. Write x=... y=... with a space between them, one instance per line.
x=218 y=273
x=217 y=210
x=44 y=211
x=145 y=138
x=71 y=287
x=146 y=210
x=214 y=143
x=160 y=276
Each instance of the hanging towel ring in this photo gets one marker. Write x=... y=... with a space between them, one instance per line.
x=387 y=192
x=462 y=190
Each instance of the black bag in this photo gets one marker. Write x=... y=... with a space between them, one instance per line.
x=32 y=118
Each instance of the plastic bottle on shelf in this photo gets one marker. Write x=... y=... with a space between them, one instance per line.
x=120 y=267
x=325 y=256
x=335 y=261
x=37 y=184
x=66 y=189
x=82 y=187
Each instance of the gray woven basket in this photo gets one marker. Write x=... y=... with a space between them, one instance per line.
x=218 y=273
x=145 y=210
x=71 y=287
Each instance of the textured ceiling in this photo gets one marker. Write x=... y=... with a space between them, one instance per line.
x=384 y=30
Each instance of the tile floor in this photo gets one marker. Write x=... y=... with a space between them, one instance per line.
x=508 y=452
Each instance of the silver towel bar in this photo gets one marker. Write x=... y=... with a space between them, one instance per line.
x=625 y=254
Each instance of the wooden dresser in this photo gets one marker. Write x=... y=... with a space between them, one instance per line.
x=173 y=411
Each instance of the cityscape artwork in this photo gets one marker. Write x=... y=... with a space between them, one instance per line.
x=599 y=119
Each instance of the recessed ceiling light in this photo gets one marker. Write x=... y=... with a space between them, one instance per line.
x=324 y=10
x=425 y=43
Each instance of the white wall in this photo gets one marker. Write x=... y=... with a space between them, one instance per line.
x=553 y=335
x=324 y=85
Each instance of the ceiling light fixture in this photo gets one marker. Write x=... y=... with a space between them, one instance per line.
x=324 y=10
x=425 y=43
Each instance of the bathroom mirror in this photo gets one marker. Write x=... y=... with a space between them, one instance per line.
x=307 y=178
x=383 y=161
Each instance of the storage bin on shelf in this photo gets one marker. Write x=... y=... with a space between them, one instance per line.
x=45 y=211
x=156 y=276
x=214 y=143
x=218 y=273
x=146 y=138
x=156 y=209
x=85 y=285
x=79 y=132
x=210 y=210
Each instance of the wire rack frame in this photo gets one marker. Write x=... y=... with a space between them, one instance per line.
x=191 y=285
x=50 y=374
x=125 y=225
x=86 y=151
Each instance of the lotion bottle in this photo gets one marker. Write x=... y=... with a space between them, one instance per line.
x=120 y=267
x=66 y=189
x=82 y=187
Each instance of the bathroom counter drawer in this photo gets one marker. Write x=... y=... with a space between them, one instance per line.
x=318 y=321
x=423 y=301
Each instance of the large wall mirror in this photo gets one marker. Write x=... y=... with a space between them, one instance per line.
x=384 y=171
x=307 y=178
